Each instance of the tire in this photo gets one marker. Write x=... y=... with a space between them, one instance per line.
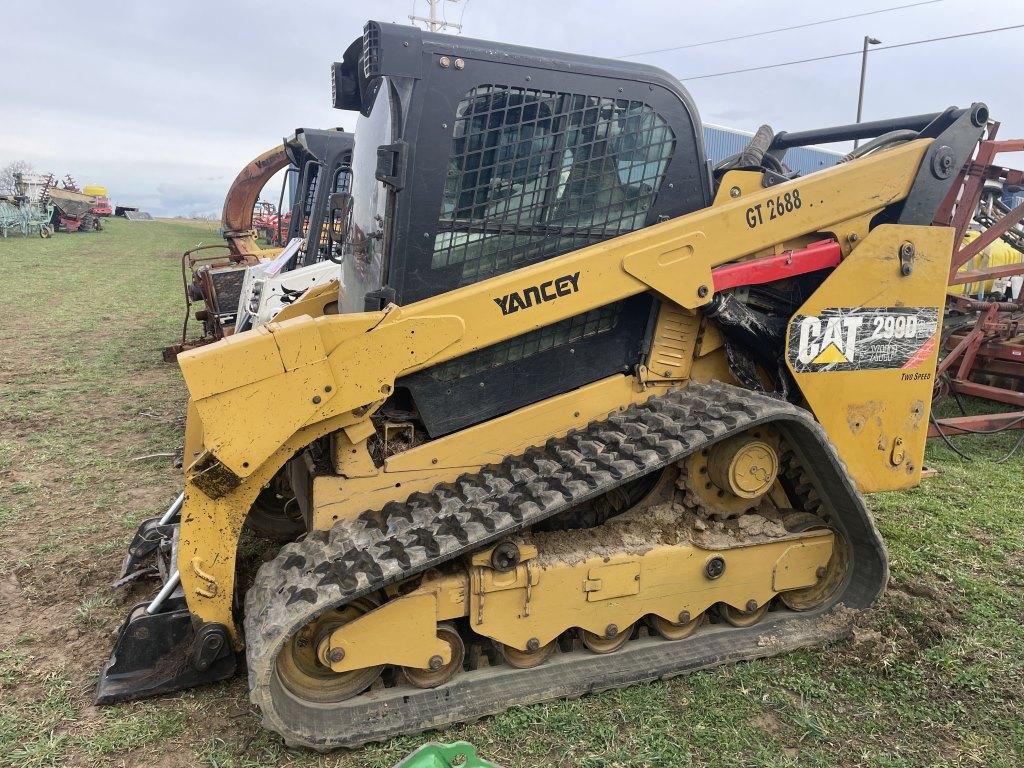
x=275 y=516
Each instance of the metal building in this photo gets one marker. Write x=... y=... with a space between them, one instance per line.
x=721 y=142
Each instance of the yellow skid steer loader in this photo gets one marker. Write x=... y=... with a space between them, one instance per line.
x=579 y=410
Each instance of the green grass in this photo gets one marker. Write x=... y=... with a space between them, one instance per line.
x=933 y=677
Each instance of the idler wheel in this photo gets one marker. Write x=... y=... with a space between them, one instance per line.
x=306 y=677
x=831 y=580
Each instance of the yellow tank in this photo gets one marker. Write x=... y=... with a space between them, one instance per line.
x=997 y=254
x=95 y=189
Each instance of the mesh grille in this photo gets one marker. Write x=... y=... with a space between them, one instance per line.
x=371 y=51
x=227 y=287
x=311 y=181
x=342 y=183
x=536 y=173
x=558 y=334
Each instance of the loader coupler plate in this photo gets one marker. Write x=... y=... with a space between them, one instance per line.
x=147 y=553
x=164 y=652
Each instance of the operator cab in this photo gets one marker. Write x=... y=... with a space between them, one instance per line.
x=473 y=159
x=323 y=159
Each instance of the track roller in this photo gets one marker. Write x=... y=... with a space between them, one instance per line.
x=740 y=618
x=612 y=639
x=439 y=672
x=676 y=630
x=527 y=659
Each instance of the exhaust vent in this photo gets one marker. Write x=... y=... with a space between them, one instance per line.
x=371 y=51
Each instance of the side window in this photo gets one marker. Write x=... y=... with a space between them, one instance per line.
x=343 y=178
x=532 y=174
x=309 y=181
x=341 y=182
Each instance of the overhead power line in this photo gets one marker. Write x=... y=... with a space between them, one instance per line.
x=781 y=29
x=853 y=53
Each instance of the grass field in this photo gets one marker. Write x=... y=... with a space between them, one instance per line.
x=934 y=677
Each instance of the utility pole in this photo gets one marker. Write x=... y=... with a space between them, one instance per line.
x=433 y=22
x=868 y=40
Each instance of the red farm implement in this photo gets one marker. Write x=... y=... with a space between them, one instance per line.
x=984 y=337
x=269 y=224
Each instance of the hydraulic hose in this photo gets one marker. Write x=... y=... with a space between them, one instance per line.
x=883 y=141
x=753 y=154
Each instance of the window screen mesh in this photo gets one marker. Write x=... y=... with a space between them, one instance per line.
x=342 y=183
x=310 y=181
x=566 y=331
x=537 y=173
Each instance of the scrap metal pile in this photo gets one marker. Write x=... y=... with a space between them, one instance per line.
x=41 y=206
x=241 y=280
x=269 y=224
x=74 y=210
x=29 y=210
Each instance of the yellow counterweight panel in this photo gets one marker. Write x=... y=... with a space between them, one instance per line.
x=863 y=351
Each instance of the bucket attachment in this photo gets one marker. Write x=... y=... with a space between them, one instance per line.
x=161 y=646
x=160 y=652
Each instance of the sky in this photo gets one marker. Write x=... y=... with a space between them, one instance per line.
x=164 y=102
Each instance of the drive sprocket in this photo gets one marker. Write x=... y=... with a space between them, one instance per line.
x=732 y=477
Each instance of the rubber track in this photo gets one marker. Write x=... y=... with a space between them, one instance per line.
x=356 y=557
